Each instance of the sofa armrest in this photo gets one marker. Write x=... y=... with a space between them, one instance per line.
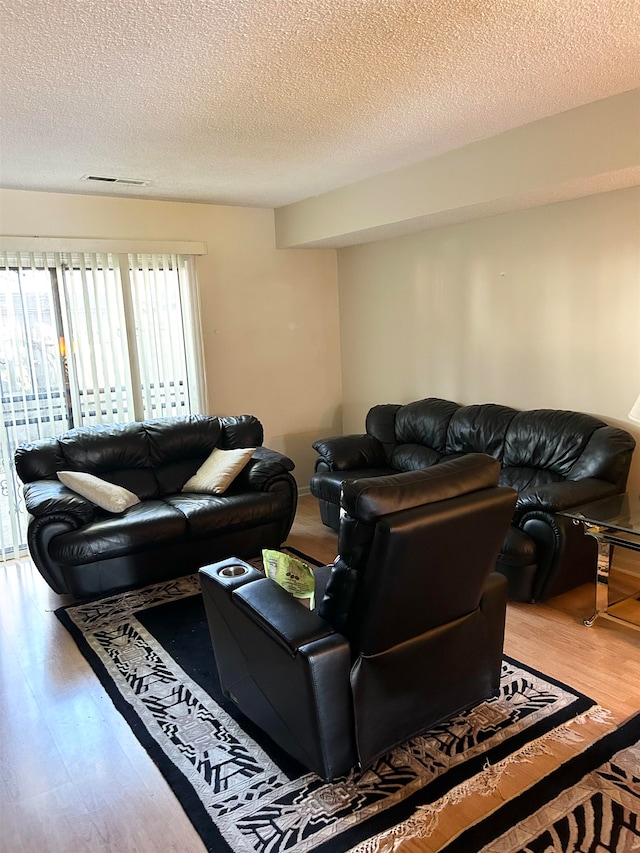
x=49 y=497
x=348 y=452
x=265 y=603
x=264 y=468
x=556 y=497
x=285 y=668
x=280 y=615
x=54 y=510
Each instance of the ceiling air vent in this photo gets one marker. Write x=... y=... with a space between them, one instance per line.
x=103 y=179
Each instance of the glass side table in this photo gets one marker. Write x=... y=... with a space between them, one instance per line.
x=613 y=522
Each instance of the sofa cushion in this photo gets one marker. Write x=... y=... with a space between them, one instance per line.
x=107 y=496
x=218 y=471
x=191 y=437
x=241 y=431
x=411 y=457
x=381 y=425
x=117 y=453
x=548 y=439
x=178 y=447
x=140 y=481
x=146 y=525
x=105 y=447
x=425 y=422
x=479 y=429
x=207 y=514
x=526 y=478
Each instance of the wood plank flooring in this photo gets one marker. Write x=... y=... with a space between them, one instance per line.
x=73 y=778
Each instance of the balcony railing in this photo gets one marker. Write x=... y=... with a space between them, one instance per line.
x=29 y=417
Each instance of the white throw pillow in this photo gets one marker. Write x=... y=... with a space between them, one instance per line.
x=218 y=471
x=106 y=495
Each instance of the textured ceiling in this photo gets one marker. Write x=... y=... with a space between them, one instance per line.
x=266 y=102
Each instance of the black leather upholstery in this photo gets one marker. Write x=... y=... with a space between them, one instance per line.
x=408 y=632
x=554 y=459
x=83 y=550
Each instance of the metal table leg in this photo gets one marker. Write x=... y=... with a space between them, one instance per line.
x=605 y=555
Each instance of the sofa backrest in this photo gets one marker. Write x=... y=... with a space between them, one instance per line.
x=533 y=447
x=400 y=536
x=150 y=458
x=543 y=446
x=415 y=435
x=479 y=429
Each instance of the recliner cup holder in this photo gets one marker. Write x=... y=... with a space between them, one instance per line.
x=234 y=571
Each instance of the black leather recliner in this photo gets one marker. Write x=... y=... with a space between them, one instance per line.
x=409 y=629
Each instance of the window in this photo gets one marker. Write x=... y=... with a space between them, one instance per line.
x=90 y=338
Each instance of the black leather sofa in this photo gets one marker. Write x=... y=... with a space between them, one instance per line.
x=554 y=459
x=83 y=550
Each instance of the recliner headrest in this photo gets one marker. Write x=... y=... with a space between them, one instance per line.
x=370 y=498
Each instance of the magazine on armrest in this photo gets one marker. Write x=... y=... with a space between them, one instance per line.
x=291 y=574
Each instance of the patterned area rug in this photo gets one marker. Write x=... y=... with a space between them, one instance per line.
x=152 y=652
x=591 y=803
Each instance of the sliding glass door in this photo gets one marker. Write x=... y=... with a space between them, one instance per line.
x=90 y=338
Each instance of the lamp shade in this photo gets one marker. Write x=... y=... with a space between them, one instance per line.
x=634 y=414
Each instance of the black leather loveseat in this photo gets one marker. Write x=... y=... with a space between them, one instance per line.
x=84 y=550
x=554 y=459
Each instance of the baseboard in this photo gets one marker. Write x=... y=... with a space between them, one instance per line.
x=304 y=490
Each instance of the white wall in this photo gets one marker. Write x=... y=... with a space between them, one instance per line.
x=590 y=149
x=539 y=308
x=534 y=309
x=270 y=317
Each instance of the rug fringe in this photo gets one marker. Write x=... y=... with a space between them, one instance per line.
x=425 y=818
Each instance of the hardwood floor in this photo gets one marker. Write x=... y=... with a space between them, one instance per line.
x=74 y=778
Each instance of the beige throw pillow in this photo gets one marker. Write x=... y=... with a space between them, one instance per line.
x=106 y=495
x=218 y=471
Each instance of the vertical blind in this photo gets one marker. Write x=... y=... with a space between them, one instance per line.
x=90 y=338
